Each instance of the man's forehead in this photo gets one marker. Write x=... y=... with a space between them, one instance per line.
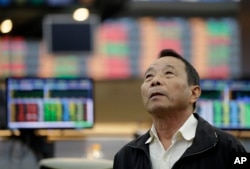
x=168 y=62
x=166 y=65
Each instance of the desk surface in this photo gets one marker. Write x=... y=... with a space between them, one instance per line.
x=76 y=163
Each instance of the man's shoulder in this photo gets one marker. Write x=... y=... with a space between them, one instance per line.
x=138 y=142
x=223 y=137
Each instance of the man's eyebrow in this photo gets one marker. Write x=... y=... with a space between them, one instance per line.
x=169 y=66
x=148 y=70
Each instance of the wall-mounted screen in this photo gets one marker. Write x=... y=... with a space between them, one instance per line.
x=50 y=103
x=63 y=34
x=226 y=103
x=2 y=105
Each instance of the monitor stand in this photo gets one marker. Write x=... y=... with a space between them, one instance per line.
x=40 y=145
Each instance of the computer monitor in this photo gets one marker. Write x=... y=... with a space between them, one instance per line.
x=225 y=103
x=50 y=103
x=63 y=35
x=2 y=105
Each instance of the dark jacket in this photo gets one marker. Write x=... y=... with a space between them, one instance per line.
x=211 y=149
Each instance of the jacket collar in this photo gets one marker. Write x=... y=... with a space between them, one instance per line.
x=205 y=138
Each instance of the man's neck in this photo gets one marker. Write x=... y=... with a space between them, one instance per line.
x=167 y=125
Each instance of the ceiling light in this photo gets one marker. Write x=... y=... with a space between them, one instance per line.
x=81 y=14
x=6 y=26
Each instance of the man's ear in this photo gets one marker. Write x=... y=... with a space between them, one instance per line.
x=196 y=92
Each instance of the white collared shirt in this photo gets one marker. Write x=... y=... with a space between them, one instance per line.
x=182 y=139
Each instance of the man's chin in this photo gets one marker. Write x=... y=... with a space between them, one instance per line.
x=157 y=109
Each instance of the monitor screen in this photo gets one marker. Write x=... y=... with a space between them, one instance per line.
x=50 y=103
x=63 y=35
x=225 y=103
x=2 y=106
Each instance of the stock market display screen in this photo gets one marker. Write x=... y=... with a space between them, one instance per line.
x=226 y=103
x=50 y=103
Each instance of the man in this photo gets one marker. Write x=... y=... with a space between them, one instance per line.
x=178 y=138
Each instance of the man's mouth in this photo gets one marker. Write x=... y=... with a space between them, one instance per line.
x=156 y=94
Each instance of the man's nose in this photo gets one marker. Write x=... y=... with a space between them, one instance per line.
x=156 y=81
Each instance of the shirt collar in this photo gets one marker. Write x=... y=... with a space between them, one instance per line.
x=187 y=130
x=153 y=134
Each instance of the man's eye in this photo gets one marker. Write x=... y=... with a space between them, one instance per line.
x=168 y=72
x=148 y=76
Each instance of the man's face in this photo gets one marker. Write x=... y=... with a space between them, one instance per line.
x=165 y=87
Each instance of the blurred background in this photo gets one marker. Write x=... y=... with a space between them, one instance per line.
x=113 y=42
